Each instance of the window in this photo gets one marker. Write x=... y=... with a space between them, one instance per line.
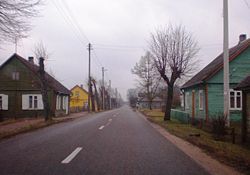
x=15 y=75
x=3 y=102
x=65 y=102
x=201 y=99
x=235 y=100
x=35 y=102
x=182 y=100
x=187 y=100
x=58 y=102
x=32 y=102
x=77 y=93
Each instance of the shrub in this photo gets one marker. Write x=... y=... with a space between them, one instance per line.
x=219 y=126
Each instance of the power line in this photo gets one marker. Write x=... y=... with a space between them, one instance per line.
x=71 y=15
x=70 y=20
x=247 y=4
x=78 y=27
x=67 y=20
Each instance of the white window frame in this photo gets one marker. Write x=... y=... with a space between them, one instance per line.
x=201 y=101
x=235 y=100
x=26 y=105
x=187 y=96
x=5 y=102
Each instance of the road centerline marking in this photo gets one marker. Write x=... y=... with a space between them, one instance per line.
x=101 y=127
x=72 y=155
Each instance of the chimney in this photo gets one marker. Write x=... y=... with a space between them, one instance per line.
x=81 y=86
x=242 y=38
x=31 y=59
x=41 y=64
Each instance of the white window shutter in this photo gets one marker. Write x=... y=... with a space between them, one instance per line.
x=40 y=102
x=5 y=102
x=67 y=104
x=25 y=102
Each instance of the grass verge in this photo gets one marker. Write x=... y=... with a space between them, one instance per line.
x=233 y=155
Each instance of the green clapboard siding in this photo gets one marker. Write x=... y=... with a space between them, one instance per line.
x=239 y=68
x=199 y=113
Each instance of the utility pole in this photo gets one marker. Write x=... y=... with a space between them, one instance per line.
x=226 y=62
x=110 y=106
x=103 y=96
x=89 y=95
x=103 y=88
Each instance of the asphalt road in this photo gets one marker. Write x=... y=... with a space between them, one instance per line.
x=114 y=142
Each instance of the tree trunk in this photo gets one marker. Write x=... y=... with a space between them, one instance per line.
x=44 y=90
x=92 y=98
x=169 y=103
x=97 y=97
x=150 y=105
x=46 y=104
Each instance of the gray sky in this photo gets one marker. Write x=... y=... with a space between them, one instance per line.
x=119 y=31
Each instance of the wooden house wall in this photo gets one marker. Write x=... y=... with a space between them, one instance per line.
x=28 y=83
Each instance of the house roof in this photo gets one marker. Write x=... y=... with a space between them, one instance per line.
x=244 y=84
x=156 y=99
x=80 y=88
x=216 y=65
x=53 y=83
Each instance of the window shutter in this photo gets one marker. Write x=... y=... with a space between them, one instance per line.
x=67 y=104
x=40 y=102
x=5 y=102
x=25 y=102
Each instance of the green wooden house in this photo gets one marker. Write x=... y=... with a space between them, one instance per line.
x=203 y=93
x=20 y=94
x=244 y=86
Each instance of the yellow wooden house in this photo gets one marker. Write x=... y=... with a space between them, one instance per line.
x=78 y=99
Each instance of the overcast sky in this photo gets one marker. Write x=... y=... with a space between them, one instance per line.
x=119 y=31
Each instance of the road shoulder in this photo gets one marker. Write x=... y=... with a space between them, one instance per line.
x=213 y=166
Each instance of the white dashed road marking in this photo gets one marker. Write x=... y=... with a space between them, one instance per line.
x=101 y=127
x=72 y=155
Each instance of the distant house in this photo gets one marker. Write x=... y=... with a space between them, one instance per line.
x=244 y=86
x=157 y=103
x=78 y=99
x=20 y=90
x=203 y=94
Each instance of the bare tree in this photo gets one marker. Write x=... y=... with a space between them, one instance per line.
x=96 y=94
x=41 y=54
x=132 y=96
x=148 y=77
x=40 y=50
x=174 y=50
x=14 y=18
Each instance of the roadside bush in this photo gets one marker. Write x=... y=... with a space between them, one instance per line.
x=219 y=126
